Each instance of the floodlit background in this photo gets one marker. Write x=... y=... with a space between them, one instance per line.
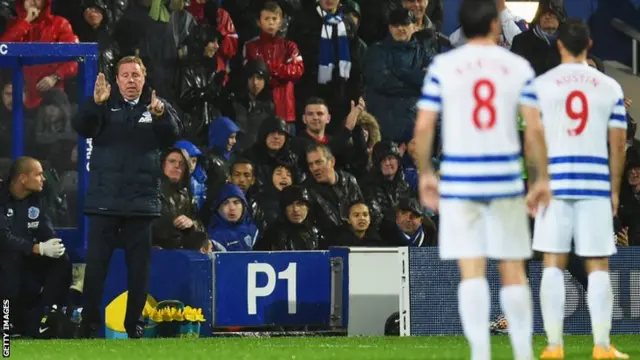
x=524 y=9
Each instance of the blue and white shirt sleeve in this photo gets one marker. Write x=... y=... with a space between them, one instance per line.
x=618 y=118
x=528 y=94
x=431 y=98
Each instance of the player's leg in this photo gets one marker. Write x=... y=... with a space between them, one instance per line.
x=509 y=241
x=594 y=241
x=552 y=236
x=461 y=238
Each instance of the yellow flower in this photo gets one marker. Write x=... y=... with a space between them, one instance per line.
x=178 y=316
x=166 y=314
x=156 y=316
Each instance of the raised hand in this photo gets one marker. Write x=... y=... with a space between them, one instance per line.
x=156 y=107
x=356 y=110
x=32 y=14
x=102 y=90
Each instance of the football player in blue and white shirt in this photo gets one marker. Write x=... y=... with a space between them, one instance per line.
x=479 y=88
x=585 y=127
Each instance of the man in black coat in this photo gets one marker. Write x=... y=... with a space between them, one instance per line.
x=331 y=191
x=538 y=44
x=31 y=257
x=129 y=127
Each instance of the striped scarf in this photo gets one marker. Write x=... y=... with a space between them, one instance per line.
x=326 y=56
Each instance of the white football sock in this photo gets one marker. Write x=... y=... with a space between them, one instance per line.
x=517 y=308
x=474 y=302
x=600 y=302
x=552 y=299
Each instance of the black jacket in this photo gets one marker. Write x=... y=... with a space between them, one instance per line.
x=330 y=203
x=542 y=54
x=23 y=223
x=287 y=236
x=344 y=236
x=125 y=173
x=265 y=160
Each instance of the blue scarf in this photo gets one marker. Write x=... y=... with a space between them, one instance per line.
x=414 y=240
x=549 y=38
x=326 y=55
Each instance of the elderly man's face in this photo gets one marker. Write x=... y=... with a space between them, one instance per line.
x=549 y=23
x=130 y=80
x=175 y=166
x=408 y=221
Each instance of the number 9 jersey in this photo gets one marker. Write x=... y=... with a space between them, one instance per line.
x=579 y=104
x=478 y=90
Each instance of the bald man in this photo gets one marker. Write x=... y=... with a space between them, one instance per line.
x=31 y=256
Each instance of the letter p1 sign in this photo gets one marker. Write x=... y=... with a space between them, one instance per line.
x=254 y=292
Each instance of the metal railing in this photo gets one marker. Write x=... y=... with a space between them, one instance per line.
x=634 y=34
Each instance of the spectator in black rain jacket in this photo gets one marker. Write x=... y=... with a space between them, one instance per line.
x=385 y=184
x=129 y=126
x=271 y=150
x=295 y=229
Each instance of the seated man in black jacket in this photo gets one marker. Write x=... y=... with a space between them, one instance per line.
x=408 y=226
x=331 y=191
x=33 y=263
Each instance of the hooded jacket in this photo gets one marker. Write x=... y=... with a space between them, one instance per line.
x=54 y=136
x=176 y=201
x=210 y=13
x=381 y=194
x=45 y=28
x=250 y=112
x=108 y=50
x=285 y=66
x=217 y=160
x=265 y=160
x=198 y=178
x=538 y=48
x=232 y=236
x=285 y=235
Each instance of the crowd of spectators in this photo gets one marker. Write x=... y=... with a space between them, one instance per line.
x=297 y=115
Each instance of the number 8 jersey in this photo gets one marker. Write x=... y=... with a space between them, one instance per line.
x=478 y=90
x=578 y=105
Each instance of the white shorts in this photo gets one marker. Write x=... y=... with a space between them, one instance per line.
x=497 y=229
x=588 y=222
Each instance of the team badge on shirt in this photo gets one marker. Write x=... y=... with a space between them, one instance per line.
x=33 y=213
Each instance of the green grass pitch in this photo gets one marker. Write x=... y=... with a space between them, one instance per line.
x=299 y=348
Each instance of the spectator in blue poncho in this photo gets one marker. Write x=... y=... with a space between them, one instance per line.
x=231 y=227
x=222 y=141
x=197 y=183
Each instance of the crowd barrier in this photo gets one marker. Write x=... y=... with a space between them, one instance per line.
x=428 y=304
x=347 y=288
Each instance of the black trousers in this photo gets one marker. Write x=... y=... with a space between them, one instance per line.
x=23 y=277
x=107 y=233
